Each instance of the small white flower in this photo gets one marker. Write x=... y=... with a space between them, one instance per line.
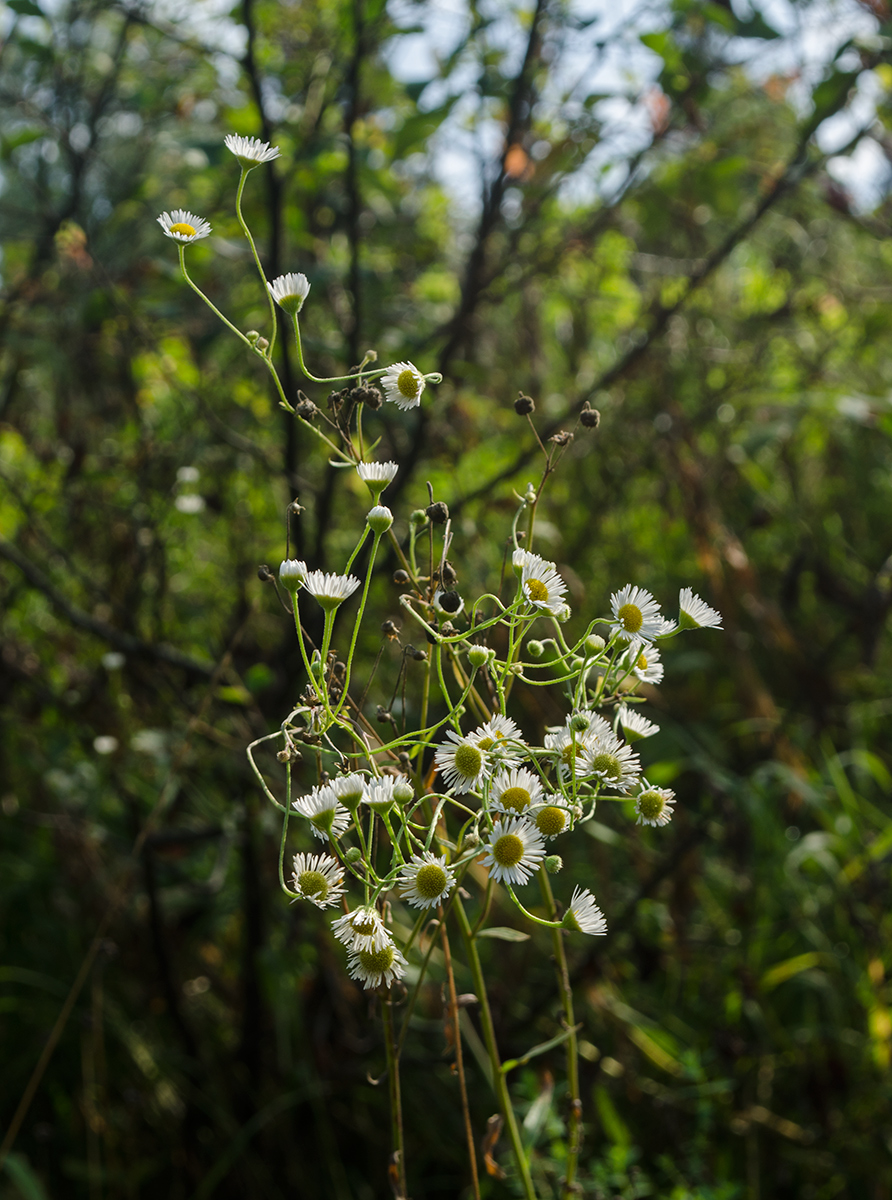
x=654 y=805
x=583 y=915
x=379 y=794
x=183 y=226
x=362 y=929
x=289 y=291
x=349 y=789
x=324 y=811
x=541 y=584
x=374 y=967
x=519 y=560
x=634 y=726
x=637 y=615
x=292 y=573
x=514 y=791
x=551 y=820
x=514 y=850
x=377 y=475
x=571 y=740
x=644 y=662
x=318 y=878
x=330 y=590
x=425 y=880
x=694 y=613
x=403 y=385
x=250 y=151
x=500 y=740
x=615 y=763
x=461 y=762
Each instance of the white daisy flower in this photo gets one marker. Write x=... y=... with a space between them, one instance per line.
x=541 y=584
x=654 y=805
x=330 y=590
x=425 y=880
x=376 y=476
x=183 y=226
x=583 y=915
x=500 y=739
x=644 y=662
x=636 y=615
x=403 y=385
x=551 y=820
x=613 y=762
x=362 y=929
x=379 y=794
x=292 y=573
x=633 y=725
x=514 y=791
x=374 y=967
x=349 y=789
x=318 y=878
x=461 y=762
x=250 y=151
x=289 y=291
x=579 y=734
x=694 y=613
x=514 y=850
x=519 y=560
x=324 y=811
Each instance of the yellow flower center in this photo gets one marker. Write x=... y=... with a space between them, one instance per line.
x=183 y=228
x=516 y=797
x=571 y=750
x=407 y=382
x=430 y=881
x=537 y=591
x=629 y=616
x=376 y=961
x=508 y=850
x=607 y=764
x=486 y=743
x=650 y=805
x=312 y=883
x=364 y=925
x=468 y=760
x=642 y=663
x=550 y=821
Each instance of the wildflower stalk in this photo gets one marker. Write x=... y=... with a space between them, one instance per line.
x=574 y=1122
x=459 y=1057
x=499 y=1082
x=393 y=1086
x=268 y=353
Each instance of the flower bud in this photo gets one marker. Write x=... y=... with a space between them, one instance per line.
x=593 y=644
x=479 y=656
x=578 y=723
x=353 y=855
x=563 y=613
x=418 y=517
x=577 y=664
x=380 y=518
x=403 y=792
x=535 y=649
x=553 y=863
x=524 y=405
x=292 y=573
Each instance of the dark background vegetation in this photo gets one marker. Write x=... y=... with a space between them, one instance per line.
x=728 y=310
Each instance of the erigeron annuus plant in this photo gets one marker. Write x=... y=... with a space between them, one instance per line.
x=402 y=809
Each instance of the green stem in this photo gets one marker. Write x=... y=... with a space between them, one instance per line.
x=499 y=1081
x=197 y=290
x=358 y=621
x=326 y=378
x=574 y=1125
x=396 y=1107
x=268 y=353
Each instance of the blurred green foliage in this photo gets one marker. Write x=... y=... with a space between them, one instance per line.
x=713 y=291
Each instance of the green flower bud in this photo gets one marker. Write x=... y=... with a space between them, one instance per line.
x=593 y=644
x=353 y=855
x=553 y=863
x=479 y=656
x=403 y=792
x=535 y=649
x=418 y=517
x=380 y=518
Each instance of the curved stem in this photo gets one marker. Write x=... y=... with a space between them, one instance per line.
x=396 y=1106
x=197 y=290
x=247 y=232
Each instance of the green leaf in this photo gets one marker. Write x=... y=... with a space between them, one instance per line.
x=23 y=1177
x=789 y=968
x=25 y=8
x=503 y=934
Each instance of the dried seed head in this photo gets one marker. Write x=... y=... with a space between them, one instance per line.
x=589 y=417
x=438 y=513
x=336 y=399
x=401 y=577
x=561 y=438
x=390 y=629
x=264 y=574
x=366 y=394
x=524 y=405
x=305 y=407
x=448 y=576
